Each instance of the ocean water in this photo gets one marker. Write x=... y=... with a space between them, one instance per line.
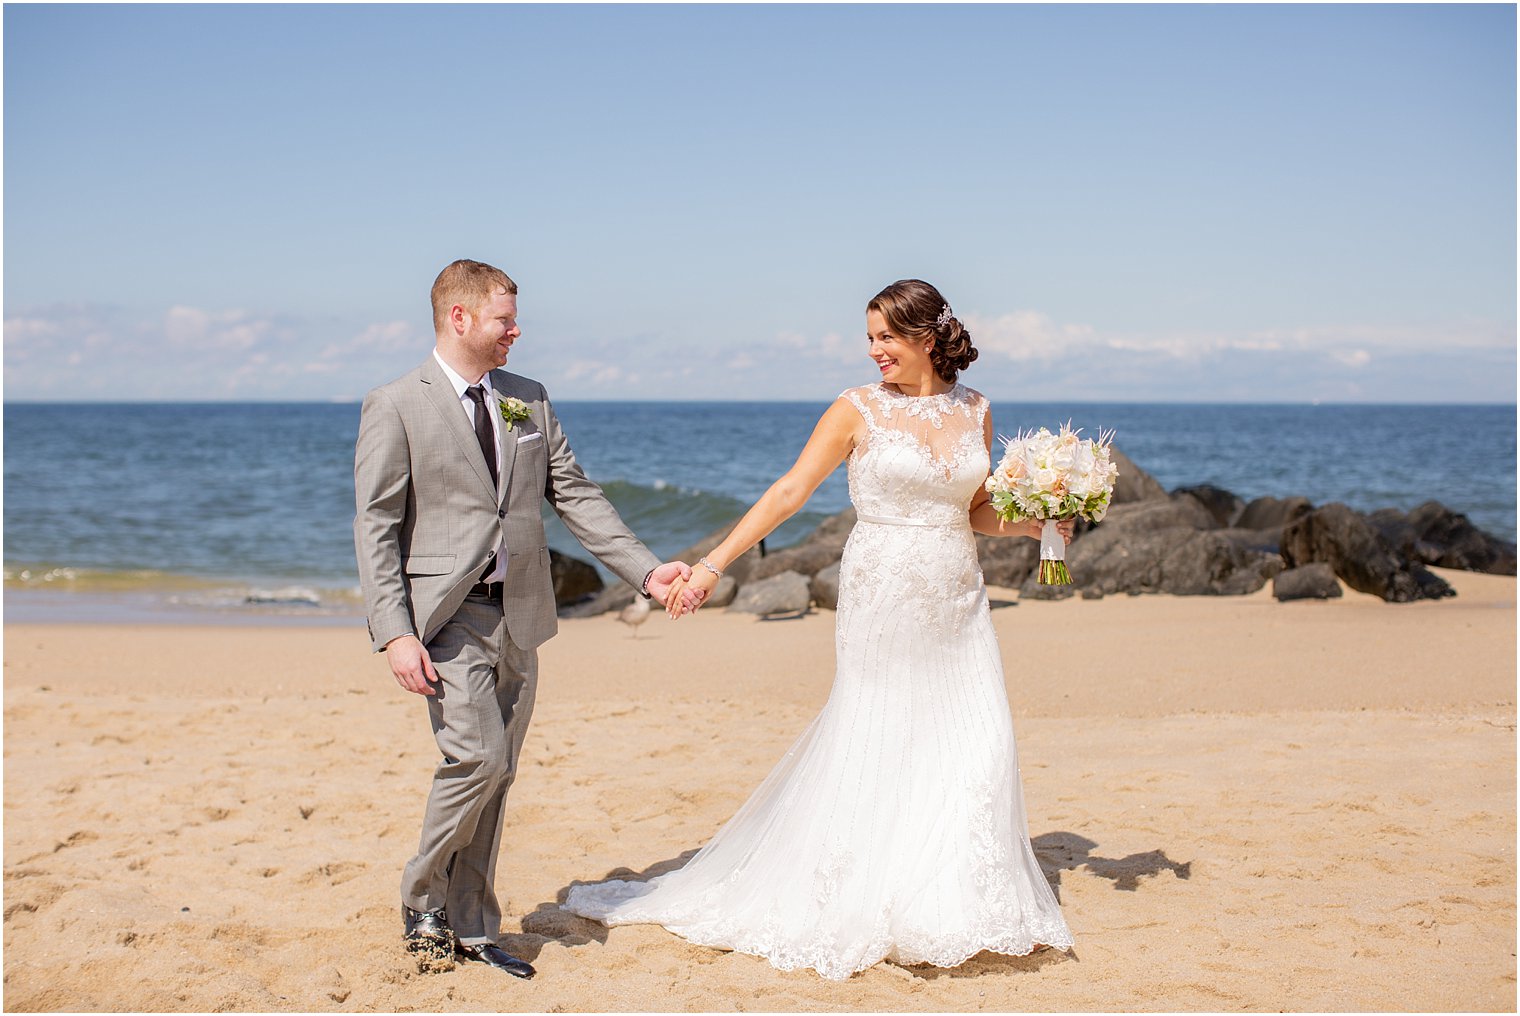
x=247 y=508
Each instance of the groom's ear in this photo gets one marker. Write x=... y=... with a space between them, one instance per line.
x=459 y=318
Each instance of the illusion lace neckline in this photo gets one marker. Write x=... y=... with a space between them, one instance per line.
x=954 y=390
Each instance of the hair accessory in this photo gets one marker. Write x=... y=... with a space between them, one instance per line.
x=944 y=317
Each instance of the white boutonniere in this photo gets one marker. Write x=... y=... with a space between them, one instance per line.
x=513 y=410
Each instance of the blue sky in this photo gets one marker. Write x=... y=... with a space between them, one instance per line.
x=1211 y=203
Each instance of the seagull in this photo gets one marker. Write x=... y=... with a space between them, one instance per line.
x=635 y=614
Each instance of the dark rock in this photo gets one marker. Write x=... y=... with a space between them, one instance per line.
x=1431 y=585
x=825 y=587
x=804 y=559
x=1033 y=590
x=1259 y=525
x=723 y=593
x=786 y=593
x=1167 y=546
x=1433 y=534
x=614 y=597
x=1183 y=513
x=1092 y=593
x=835 y=529
x=1272 y=513
x=621 y=594
x=739 y=569
x=1393 y=526
x=1133 y=483
x=1224 y=506
x=1359 y=554
x=1007 y=560
x=822 y=547
x=1315 y=581
x=575 y=581
x=1266 y=541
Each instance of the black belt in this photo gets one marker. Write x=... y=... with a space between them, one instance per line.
x=490 y=590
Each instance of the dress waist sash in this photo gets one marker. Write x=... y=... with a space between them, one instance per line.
x=886 y=520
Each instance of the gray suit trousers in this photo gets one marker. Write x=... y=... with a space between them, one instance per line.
x=480 y=716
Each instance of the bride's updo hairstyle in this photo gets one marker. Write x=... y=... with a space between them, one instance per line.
x=915 y=310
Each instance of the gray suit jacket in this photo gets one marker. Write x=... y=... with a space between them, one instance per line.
x=428 y=519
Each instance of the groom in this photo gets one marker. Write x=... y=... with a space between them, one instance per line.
x=451 y=464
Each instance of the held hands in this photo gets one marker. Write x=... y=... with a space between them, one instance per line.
x=413 y=668
x=668 y=584
x=699 y=584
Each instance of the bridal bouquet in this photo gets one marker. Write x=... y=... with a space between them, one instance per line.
x=1052 y=477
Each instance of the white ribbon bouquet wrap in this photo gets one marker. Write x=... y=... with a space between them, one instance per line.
x=1053 y=477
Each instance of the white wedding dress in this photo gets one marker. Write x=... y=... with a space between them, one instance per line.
x=894 y=827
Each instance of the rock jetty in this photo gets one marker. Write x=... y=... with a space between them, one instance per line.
x=1198 y=540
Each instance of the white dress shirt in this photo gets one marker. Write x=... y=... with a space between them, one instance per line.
x=467 y=405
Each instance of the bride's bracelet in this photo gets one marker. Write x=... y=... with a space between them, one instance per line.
x=705 y=563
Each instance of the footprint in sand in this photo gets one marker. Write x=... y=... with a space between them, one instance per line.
x=19 y=907
x=75 y=839
x=335 y=873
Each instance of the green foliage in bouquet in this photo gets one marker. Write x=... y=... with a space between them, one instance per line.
x=1054 y=573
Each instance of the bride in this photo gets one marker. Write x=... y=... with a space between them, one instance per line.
x=894 y=827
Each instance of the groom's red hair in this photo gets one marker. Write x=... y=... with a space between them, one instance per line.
x=469 y=284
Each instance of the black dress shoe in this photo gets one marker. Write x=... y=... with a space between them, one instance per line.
x=427 y=931
x=493 y=956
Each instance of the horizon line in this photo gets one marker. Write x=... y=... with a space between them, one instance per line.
x=1310 y=403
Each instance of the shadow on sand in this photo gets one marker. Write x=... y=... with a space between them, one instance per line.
x=1058 y=852
x=548 y=923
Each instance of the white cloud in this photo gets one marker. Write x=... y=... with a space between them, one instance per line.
x=184 y=325
x=186 y=352
x=1024 y=335
x=375 y=339
x=1433 y=338
x=594 y=373
x=28 y=329
x=226 y=329
x=1352 y=357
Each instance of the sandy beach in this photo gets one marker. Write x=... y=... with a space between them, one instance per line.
x=1242 y=804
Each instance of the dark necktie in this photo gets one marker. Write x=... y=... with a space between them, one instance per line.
x=483 y=433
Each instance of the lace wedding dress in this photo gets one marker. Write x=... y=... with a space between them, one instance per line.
x=894 y=827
